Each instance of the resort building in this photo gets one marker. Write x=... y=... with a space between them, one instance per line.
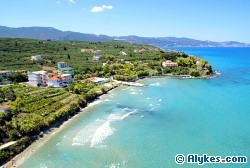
x=169 y=63
x=38 y=78
x=4 y=108
x=36 y=58
x=61 y=65
x=67 y=70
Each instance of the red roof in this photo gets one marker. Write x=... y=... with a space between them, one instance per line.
x=89 y=80
x=55 y=78
x=4 y=106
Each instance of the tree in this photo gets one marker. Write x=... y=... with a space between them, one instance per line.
x=68 y=56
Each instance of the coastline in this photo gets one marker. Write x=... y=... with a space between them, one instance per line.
x=58 y=126
x=49 y=133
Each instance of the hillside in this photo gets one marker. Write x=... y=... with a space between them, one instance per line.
x=45 y=33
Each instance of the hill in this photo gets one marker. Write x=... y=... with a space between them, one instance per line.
x=45 y=33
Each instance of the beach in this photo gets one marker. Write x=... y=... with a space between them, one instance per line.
x=49 y=133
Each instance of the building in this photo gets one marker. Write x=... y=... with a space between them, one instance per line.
x=67 y=79
x=38 y=78
x=4 y=108
x=169 y=63
x=36 y=58
x=88 y=50
x=55 y=81
x=5 y=73
x=97 y=58
x=98 y=52
x=61 y=65
x=122 y=53
x=99 y=81
x=67 y=70
x=95 y=80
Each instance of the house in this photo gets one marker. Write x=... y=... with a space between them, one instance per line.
x=88 y=50
x=67 y=79
x=169 y=63
x=38 y=78
x=97 y=81
x=5 y=73
x=122 y=53
x=55 y=81
x=88 y=80
x=61 y=65
x=67 y=70
x=4 y=108
x=98 y=52
x=36 y=58
x=139 y=50
x=97 y=58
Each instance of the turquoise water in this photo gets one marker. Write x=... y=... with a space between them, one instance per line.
x=147 y=126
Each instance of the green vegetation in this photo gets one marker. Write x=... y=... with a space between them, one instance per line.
x=34 y=109
x=15 y=54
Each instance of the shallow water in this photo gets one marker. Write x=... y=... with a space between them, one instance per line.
x=148 y=126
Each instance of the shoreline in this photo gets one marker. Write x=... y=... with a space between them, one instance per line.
x=49 y=133
x=58 y=126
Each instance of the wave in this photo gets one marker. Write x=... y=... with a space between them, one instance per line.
x=101 y=133
x=95 y=133
x=155 y=84
x=95 y=103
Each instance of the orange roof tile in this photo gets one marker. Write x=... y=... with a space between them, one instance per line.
x=55 y=78
x=5 y=106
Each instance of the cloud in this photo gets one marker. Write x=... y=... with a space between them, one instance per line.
x=101 y=8
x=72 y=1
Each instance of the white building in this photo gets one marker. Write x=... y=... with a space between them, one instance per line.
x=169 y=63
x=38 y=78
x=122 y=53
x=67 y=79
x=36 y=58
x=97 y=58
x=99 y=81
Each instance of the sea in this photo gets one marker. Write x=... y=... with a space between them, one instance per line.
x=147 y=127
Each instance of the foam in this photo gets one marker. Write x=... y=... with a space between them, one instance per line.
x=85 y=135
x=160 y=100
x=134 y=93
x=155 y=84
x=95 y=133
x=101 y=134
x=95 y=103
x=114 y=165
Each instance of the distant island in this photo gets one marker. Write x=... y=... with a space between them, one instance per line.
x=51 y=80
x=45 y=33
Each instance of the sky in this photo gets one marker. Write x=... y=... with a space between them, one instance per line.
x=214 y=20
